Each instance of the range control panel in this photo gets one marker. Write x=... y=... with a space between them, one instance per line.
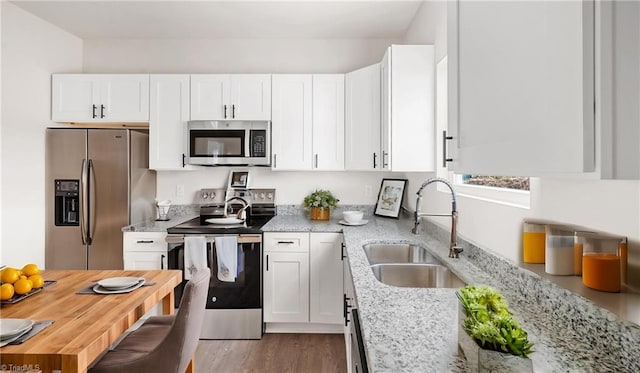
x=217 y=196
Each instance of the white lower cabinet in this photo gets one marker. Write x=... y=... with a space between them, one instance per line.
x=144 y=250
x=303 y=279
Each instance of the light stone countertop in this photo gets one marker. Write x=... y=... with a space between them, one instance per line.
x=415 y=330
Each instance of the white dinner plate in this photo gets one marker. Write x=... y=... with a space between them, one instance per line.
x=361 y=222
x=101 y=290
x=119 y=283
x=12 y=327
x=224 y=221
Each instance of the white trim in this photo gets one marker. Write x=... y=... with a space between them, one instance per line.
x=505 y=196
x=278 y=327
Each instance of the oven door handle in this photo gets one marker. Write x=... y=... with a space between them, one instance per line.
x=242 y=238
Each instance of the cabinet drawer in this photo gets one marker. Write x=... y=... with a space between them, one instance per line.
x=286 y=242
x=144 y=241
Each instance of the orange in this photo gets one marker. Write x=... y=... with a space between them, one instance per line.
x=10 y=275
x=23 y=286
x=6 y=291
x=37 y=280
x=30 y=269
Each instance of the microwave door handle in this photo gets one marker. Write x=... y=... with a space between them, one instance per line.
x=247 y=144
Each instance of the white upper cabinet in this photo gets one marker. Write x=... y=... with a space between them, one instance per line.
x=231 y=96
x=308 y=122
x=94 y=98
x=618 y=79
x=328 y=122
x=362 y=119
x=521 y=87
x=408 y=108
x=169 y=113
x=291 y=136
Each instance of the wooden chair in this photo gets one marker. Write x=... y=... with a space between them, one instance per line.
x=162 y=343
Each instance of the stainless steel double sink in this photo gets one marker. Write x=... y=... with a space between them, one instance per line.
x=409 y=265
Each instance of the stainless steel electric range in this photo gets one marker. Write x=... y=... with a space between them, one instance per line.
x=234 y=308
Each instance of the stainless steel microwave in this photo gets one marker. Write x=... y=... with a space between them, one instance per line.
x=229 y=143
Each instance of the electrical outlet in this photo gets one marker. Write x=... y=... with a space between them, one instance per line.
x=179 y=190
x=368 y=191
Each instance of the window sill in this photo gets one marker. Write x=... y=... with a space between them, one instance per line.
x=504 y=196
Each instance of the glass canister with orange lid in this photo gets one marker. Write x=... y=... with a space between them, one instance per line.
x=533 y=241
x=604 y=260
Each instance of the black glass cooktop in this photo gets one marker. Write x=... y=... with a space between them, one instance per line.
x=198 y=226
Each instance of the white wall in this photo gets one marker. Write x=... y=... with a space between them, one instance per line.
x=31 y=50
x=232 y=55
x=611 y=206
x=291 y=187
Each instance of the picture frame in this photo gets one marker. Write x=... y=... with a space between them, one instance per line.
x=390 y=198
x=239 y=180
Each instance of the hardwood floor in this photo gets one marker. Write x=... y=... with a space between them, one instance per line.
x=322 y=353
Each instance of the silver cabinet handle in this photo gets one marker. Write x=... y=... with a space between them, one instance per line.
x=316 y=161
x=144 y=241
x=287 y=242
x=267 y=262
x=385 y=163
x=102 y=111
x=444 y=148
x=93 y=111
x=225 y=111
x=275 y=165
x=375 y=157
x=233 y=111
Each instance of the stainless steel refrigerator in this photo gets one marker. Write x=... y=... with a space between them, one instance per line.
x=97 y=181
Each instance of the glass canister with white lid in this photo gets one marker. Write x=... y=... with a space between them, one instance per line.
x=559 y=250
x=604 y=260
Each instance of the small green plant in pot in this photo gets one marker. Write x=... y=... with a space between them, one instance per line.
x=490 y=325
x=320 y=203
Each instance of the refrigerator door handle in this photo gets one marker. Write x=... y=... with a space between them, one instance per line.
x=83 y=202
x=91 y=229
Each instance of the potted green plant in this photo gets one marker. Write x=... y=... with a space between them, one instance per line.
x=489 y=336
x=320 y=203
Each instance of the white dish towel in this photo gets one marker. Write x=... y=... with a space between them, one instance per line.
x=227 y=255
x=195 y=255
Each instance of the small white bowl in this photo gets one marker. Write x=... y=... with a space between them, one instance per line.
x=352 y=216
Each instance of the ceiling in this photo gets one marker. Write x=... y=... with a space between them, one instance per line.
x=226 y=19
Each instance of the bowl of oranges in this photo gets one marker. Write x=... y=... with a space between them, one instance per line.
x=18 y=284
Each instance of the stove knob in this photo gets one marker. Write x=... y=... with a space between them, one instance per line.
x=261 y=195
x=270 y=195
x=212 y=195
x=205 y=195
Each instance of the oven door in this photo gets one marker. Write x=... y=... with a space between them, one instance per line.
x=243 y=293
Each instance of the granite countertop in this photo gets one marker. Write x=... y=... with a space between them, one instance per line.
x=415 y=330
x=405 y=329
x=158 y=226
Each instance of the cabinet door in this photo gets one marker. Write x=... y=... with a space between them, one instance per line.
x=292 y=122
x=145 y=260
x=210 y=97
x=521 y=102
x=326 y=279
x=168 y=118
x=328 y=122
x=412 y=109
x=75 y=97
x=385 y=112
x=286 y=287
x=125 y=98
x=251 y=97
x=362 y=119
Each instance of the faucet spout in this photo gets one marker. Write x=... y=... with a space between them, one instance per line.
x=454 y=249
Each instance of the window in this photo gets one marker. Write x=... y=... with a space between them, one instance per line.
x=509 y=182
